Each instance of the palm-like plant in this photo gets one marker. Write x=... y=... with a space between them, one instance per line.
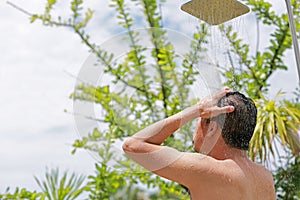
x=56 y=187
x=275 y=120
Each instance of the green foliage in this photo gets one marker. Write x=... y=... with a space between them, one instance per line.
x=21 y=194
x=287 y=181
x=275 y=119
x=123 y=113
x=105 y=183
x=55 y=187
x=253 y=72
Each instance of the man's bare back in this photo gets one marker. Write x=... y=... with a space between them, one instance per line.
x=239 y=179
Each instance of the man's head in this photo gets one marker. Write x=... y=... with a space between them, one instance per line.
x=236 y=127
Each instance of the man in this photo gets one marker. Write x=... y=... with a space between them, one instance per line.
x=220 y=169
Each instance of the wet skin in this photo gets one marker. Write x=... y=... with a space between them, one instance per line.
x=215 y=171
x=230 y=175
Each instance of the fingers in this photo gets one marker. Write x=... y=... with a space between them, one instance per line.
x=215 y=111
x=225 y=109
x=218 y=95
x=208 y=105
x=221 y=110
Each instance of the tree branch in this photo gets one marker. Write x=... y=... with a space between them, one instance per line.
x=277 y=51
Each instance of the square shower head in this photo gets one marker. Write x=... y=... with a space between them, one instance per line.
x=215 y=12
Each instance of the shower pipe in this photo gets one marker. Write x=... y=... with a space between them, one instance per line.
x=294 y=35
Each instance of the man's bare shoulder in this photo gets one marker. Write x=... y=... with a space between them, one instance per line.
x=201 y=163
x=205 y=168
x=241 y=167
x=240 y=179
x=246 y=168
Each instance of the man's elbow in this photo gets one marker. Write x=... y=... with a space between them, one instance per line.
x=130 y=145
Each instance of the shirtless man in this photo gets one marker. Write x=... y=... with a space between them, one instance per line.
x=220 y=169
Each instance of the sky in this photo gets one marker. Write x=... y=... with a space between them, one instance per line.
x=37 y=70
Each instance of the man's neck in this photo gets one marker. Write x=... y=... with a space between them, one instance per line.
x=223 y=152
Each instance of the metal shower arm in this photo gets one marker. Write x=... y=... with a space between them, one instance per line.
x=294 y=35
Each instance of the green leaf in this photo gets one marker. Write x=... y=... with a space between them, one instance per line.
x=51 y=2
x=33 y=18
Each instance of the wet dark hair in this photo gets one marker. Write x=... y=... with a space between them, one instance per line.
x=238 y=126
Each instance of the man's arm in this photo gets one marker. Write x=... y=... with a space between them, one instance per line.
x=144 y=147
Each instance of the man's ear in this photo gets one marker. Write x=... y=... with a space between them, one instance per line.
x=197 y=128
x=213 y=127
x=211 y=137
